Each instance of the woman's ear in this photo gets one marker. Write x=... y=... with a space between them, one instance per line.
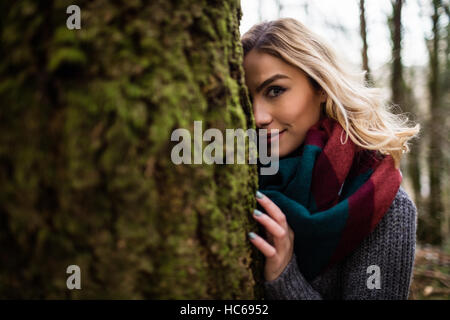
x=323 y=96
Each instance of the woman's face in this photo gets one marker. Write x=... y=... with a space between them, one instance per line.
x=283 y=99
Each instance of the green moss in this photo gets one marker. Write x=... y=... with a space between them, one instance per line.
x=86 y=176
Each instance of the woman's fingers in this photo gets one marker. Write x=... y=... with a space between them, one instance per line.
x=276 y=227
x=272 y=209
x=280 y=235
x=262 y=245
x=271 y=225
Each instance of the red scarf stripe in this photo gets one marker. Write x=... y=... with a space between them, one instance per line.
x=358 y=223
x=342 y=154
x=316 y=137
x=368 y=199
x=325 y=184
x=332 y=166
x=385 y=194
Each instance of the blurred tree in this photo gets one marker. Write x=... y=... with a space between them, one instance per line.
x=446 y=129
x=403 y=96
x=86 y=176
x=431 y=229
x=395 y=25
x=363 y=32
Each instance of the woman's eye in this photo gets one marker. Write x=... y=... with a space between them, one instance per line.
x=275 y=91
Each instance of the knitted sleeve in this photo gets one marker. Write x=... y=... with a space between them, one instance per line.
x=379 y=269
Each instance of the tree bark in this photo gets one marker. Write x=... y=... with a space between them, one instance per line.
x=86 y=176
x=435 y=206
x=397 y=81
x=402 y=95
x=364 y=51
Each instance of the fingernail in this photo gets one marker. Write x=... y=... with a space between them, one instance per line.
x=259 y=195
x=257 y=213
x=252 y=235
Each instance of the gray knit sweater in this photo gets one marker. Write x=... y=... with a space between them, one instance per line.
x=391 y=247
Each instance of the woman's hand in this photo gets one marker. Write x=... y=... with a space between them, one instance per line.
x=280 y=246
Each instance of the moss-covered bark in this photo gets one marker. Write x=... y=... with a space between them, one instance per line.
x=85 y=172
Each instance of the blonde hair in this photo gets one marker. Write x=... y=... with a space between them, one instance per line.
x=359 y=109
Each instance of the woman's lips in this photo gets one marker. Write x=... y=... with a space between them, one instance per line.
x=272 y=137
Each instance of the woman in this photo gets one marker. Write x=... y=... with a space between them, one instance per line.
x=338 y=225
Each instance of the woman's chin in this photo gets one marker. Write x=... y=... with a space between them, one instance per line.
x=277 y=152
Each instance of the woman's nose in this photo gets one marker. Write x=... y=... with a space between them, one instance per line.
x=262 y=116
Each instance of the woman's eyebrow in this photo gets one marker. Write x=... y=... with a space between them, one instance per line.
x=269 y=80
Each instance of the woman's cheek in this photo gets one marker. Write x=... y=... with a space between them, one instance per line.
x=295 y=111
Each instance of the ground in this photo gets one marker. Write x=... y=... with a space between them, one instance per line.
x=431 y=280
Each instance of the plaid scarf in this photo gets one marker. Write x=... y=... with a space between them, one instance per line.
x=333 y=195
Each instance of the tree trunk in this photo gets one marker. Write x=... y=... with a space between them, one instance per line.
x=446 y=129
x=435 y=126
x=403 y=95
x=364 y=51
x=397 y=81
x=86 y=176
